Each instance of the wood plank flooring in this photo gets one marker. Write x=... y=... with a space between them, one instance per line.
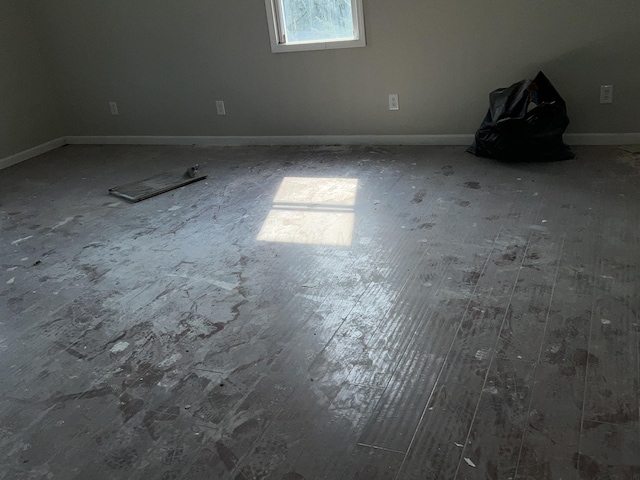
x=478 y=320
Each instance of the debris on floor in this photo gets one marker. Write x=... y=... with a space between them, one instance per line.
x=192 y=172
x=161 y=183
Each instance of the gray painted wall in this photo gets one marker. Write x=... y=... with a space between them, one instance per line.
x=166 y=62
x=28 y=108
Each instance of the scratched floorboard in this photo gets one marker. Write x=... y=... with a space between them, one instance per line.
x=481 y=323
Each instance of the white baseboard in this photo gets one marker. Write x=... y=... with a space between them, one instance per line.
x=276 y=140
x=32 y=152
x=602 y=138
x=464 y=139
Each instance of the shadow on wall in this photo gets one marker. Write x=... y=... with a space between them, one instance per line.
x=578 y=74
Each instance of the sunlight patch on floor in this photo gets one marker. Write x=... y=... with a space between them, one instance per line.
x=312 y=211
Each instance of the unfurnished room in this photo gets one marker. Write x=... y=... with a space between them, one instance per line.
x=319 y=239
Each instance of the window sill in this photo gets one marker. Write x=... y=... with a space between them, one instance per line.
x=307 y=46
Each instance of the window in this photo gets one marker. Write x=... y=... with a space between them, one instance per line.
x=296 y=25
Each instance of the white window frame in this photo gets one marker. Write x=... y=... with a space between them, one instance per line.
x=280 y=45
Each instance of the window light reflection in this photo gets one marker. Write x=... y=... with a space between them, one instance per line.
x=312 y=211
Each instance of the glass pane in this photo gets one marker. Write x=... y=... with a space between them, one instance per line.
x=317 y=20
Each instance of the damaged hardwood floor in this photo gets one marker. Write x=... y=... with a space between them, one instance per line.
x=320 y=313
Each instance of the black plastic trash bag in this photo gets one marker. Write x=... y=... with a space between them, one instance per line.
x=525 y=122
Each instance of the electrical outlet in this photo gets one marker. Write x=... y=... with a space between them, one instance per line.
x=393 y=102
x=113 y=106
x=220 y=107
x=606 y=93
